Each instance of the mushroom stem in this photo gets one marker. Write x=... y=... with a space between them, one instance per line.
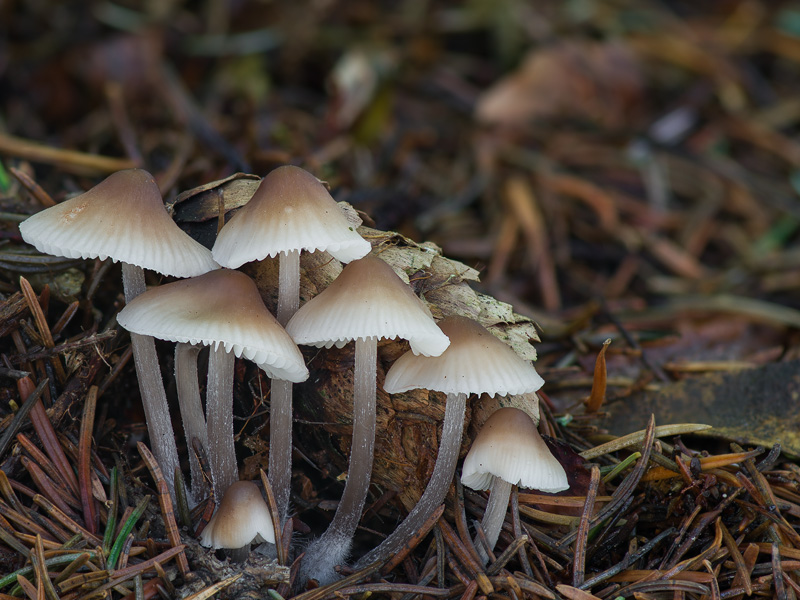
x=437 y=487
x=219 y=408
x=280 y=424
x=194 y=421
x=496 y=508
x=288 y=285
x=361 y=452
x=280 y=444
x=333 y=547
x=151 y=386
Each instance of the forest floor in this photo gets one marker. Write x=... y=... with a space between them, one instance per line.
x=625 y=171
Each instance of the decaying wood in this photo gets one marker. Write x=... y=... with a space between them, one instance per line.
x=409 y=423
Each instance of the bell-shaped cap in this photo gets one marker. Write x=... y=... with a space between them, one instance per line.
x=220 y=307
x=242 y=517
x=367 y=300
x=122 y=218
x=290 y=210
x=509 y=447
x=475 y=362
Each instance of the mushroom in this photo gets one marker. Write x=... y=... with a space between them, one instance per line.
x=367 y=302
x=509 y=451
x=221 y=309
x=290 y=211
x=191 y=406
x=242 y=517
x=476 y=362
x=123 y=218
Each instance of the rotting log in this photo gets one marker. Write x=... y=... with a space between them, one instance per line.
x=408 y=424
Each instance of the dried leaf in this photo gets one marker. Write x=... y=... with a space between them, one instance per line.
x=596 y=81
x=598 y=393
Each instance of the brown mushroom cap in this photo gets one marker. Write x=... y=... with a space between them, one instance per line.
x=476 y=362
x=220 y=307
x=367 y=300
x=509 y=446
x=122 y=218
x=290 y=210
x=242 y=517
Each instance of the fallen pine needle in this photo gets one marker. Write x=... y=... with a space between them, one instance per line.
x=638 y=436
x=658 y=473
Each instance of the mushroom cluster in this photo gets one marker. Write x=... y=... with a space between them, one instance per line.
x=123 y=218
x=476 y=362
x=221 y=308
x=367 y=302
x=289 y=212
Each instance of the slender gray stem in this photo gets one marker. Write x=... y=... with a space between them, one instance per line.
x=288 y=285
x=132 y=281
x=333 y=547
x=219 y=408
x=280 y=418
x=359 y=471
x=151 y=386
x=280 y=444
x=496 y=509
x=437 y=487
x=194 y=420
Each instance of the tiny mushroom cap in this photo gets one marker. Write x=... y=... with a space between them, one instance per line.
x=122 y=217
x=509 y=447
x=222 y=307
x=242 y=517
x=476 y=362
x=290 y=210
x=367 y=300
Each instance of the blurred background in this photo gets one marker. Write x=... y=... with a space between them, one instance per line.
x=624 y=170
x=621 y=169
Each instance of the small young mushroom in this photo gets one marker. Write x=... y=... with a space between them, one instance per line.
x=476 y=362
x=367 y=302
x=509 y=451
x=123 y=218
x=242 y=517
x=221 y=309
x=291 y=211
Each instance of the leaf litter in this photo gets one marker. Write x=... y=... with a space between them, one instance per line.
x=638 y=184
